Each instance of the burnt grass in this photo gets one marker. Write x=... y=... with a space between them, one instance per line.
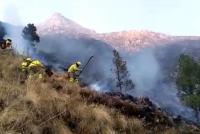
x=141 y=108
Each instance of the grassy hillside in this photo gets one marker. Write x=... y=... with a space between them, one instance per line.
x=54 y=106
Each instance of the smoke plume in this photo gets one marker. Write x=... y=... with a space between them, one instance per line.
x=153 y=70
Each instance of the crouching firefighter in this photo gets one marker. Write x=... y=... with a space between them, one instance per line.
x=35 y=69
x=25 y=67
x=73 y=71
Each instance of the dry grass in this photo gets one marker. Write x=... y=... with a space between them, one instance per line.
x=54 y=106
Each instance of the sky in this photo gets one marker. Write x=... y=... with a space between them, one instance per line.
x=175 y=17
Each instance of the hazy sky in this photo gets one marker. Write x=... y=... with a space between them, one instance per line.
x=176 y=17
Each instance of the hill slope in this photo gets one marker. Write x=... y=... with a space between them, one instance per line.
x=54 y=106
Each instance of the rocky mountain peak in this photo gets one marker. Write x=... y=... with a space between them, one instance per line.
x=58 y=24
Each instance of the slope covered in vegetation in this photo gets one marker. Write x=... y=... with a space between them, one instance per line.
x=54 y=106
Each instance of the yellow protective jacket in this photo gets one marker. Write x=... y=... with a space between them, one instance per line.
x=73 y=68
x=35 y=63
x=24 y=65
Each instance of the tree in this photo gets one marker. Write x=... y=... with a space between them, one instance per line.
x=124 y=83
x=2 y=31
x=188 y=82
x=30 y=33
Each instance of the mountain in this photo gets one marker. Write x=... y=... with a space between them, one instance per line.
x=126 y=40
x=58 y=24
x=73 y=41
x=135 y=40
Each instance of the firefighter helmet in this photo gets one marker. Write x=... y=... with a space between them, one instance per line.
x=78 y=63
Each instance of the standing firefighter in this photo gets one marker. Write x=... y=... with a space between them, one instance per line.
x=73 y=70
x=35 y=69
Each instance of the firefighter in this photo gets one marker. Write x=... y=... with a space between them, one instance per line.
x=24 y=68
x=73 y=70
x=6 y=43
x=25 y=64
x=35 y=69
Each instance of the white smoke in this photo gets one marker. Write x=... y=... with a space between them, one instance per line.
x=95 y=87
x=144 y=70
x=148 y=75
x=19 y=44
